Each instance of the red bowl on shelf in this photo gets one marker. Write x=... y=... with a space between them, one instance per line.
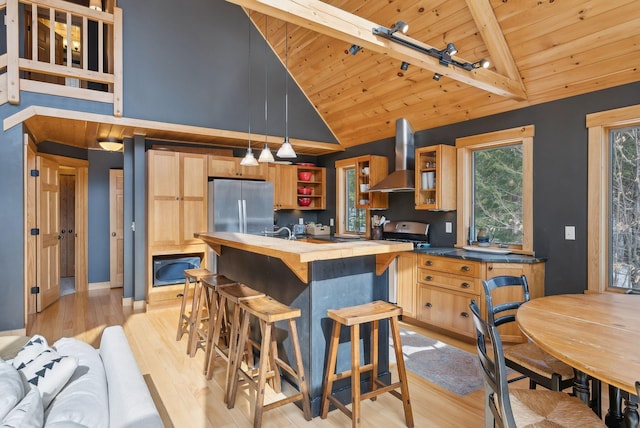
x=304 y=190
x=304 y=202
x=304 y=175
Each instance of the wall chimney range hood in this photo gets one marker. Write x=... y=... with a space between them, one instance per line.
x=402 y=179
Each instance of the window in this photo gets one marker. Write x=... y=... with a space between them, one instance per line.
x=350 y=220
x=614 y=197
x=495 y=188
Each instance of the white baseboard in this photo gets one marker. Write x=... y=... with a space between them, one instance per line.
x=99 y=285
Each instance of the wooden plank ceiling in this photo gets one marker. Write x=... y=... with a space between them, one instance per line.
x=540 y=51
x=550 y=49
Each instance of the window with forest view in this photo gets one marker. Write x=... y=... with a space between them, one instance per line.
x=624 y=233
x=356 y=221
x=497 y=193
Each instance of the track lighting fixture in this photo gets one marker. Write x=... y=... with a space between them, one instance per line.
x=437 y=76
x=443 y=56
x=404 y=66
x=354 y=49
x=401 y=26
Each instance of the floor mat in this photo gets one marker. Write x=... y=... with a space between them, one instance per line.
x=453 y=369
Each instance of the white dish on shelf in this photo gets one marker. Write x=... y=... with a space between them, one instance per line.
x=283 y=162
x=487 y=249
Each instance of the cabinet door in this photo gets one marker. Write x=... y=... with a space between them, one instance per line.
x=435 y=178
x=223 y=167
x=164 y=198
x=406 y=265
x=284 y=186
x=193 y=200
x=446 y=309
x=253 y=172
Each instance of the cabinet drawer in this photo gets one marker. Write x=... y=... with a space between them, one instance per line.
x=446 y=309
x=452 y=282
x=449 y=265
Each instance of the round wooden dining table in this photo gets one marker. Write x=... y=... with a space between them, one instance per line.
x=597 y=334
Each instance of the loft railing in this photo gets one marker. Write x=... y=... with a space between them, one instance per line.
x=59 y=48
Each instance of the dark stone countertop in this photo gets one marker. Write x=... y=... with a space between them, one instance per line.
x=458 y=253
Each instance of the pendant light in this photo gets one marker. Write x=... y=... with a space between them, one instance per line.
x=249 y=159
x=286 y=150
x=265 y=154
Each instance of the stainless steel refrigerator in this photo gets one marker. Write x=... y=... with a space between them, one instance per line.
x=239 y=206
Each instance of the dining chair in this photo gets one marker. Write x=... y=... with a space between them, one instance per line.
x=521 y=407
x=526 y=358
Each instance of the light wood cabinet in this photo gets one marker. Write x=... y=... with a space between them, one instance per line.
x=176 y=209
x=435 y=169
x=229 y=167
x=406 y=286
x=287 y=180
x=446 y=286
x=370 y=170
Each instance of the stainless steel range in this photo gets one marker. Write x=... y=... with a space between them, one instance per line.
x=405 y=231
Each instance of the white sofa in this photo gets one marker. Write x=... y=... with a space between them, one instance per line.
x=106 y=388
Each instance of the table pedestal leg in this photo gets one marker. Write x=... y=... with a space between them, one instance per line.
x=630 y=419
x=614 y=415
x=581 y=386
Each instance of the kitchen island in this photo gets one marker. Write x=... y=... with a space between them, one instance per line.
x=312 y=276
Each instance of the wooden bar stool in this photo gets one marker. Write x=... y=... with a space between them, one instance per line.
x=268 y=311
x=187 y=319
x=211 y=285
x=234 y=294
x=353 y=317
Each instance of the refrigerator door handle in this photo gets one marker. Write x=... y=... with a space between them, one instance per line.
x=244 y=216
x=240 y=222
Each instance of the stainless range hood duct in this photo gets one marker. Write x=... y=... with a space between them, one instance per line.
x=402 y=179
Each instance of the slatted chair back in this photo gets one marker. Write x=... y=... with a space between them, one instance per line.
x=504 y=312
x=493 y=370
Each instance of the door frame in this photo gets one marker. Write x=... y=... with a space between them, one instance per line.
x=81 y=169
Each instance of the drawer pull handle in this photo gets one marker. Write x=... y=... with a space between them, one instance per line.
x=464 y=314
x=490 y=267
x=427 y=305
x=465 y=285
x=428 y=263
x=465 y=268
x=428 y=278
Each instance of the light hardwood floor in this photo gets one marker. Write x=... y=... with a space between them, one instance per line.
x=192 y=401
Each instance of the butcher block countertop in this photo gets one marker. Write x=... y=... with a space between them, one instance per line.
x=298 y=253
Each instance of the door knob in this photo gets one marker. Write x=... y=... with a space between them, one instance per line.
x=60 y=237
x=62 y=230
x=113 y=234
x=70 y=231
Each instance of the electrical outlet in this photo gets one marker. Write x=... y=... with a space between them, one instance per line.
x=330 y=222
x=448 y=227
x=570 y=233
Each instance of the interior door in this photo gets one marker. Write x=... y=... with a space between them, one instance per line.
x=116 y=223
x=48 y=238
x=67 y=224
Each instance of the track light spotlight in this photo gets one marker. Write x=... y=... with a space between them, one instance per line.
x=451 y=49
x=401 y=26
x=437 y=76
x=404 y=66
x=483 y=63
x=354 y=49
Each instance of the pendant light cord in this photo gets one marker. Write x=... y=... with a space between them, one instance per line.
x=266 y=80
x=286 y=82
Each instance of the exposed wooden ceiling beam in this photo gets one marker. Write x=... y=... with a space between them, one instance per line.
x=339 y=24
x=493 y=37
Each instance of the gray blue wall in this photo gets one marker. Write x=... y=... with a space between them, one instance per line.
x=559 y=182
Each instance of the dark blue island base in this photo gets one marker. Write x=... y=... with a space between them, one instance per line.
x=333 y=284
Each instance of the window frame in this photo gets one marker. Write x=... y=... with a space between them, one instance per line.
x=341 y=166
x=598 y=185
x=465 y=147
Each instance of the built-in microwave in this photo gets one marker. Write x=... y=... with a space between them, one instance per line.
x=169 y=270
